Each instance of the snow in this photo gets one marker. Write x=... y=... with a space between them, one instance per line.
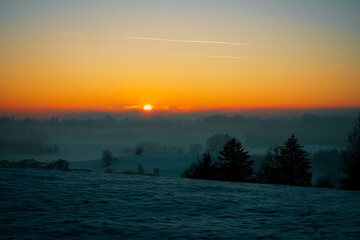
x=47 y=204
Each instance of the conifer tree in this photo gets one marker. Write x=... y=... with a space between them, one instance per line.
x=234 y=163
x=295 y=164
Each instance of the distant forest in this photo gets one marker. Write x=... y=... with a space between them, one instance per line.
x=110 y=121
x=259 y=132
x=27 y=147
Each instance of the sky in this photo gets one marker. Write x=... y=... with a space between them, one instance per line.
x=178 y=55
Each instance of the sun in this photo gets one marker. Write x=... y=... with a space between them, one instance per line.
x=147 y=108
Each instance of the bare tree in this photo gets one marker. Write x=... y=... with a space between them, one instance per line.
x=106 y=158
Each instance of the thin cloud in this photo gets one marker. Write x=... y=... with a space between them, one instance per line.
x=207 y=56
x=132 y=107
x=188 y=41
x=138 y=37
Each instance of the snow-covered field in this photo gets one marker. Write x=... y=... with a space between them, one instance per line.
x=45 y=204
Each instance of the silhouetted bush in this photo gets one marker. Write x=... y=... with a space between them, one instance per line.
x=351 y=159
x=202 y=169
x=330 y=180
x=28 y=163
x=7 y=164
x=60 y=164
x=234 y=163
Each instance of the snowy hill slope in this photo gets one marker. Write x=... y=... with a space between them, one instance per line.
x=45 y=204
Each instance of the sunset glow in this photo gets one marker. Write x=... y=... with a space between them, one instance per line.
x=227 y=55
x=147 y=108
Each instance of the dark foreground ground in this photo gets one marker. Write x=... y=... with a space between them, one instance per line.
x=48 y=204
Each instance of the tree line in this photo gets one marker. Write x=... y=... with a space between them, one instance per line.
x=288 y=164
x=59 y=164
x=284 y=165
x=28 y=147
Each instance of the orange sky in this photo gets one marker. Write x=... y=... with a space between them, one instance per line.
x=179 y=55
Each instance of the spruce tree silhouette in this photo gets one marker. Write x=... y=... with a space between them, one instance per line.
x=234 y=163
x=295 y=164
x=351 y=159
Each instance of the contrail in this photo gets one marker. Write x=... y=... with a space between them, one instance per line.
x=206 y=56
x=188 y=41
x=137 y=37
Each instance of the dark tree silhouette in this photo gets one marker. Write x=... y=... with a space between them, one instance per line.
x=203 y=169
x=329 y=180
x=106 y=158
x=270 y=168
x=140 y=169
x=60 y=164
x=295 y=163
x=234 y=163
x=351 y=159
